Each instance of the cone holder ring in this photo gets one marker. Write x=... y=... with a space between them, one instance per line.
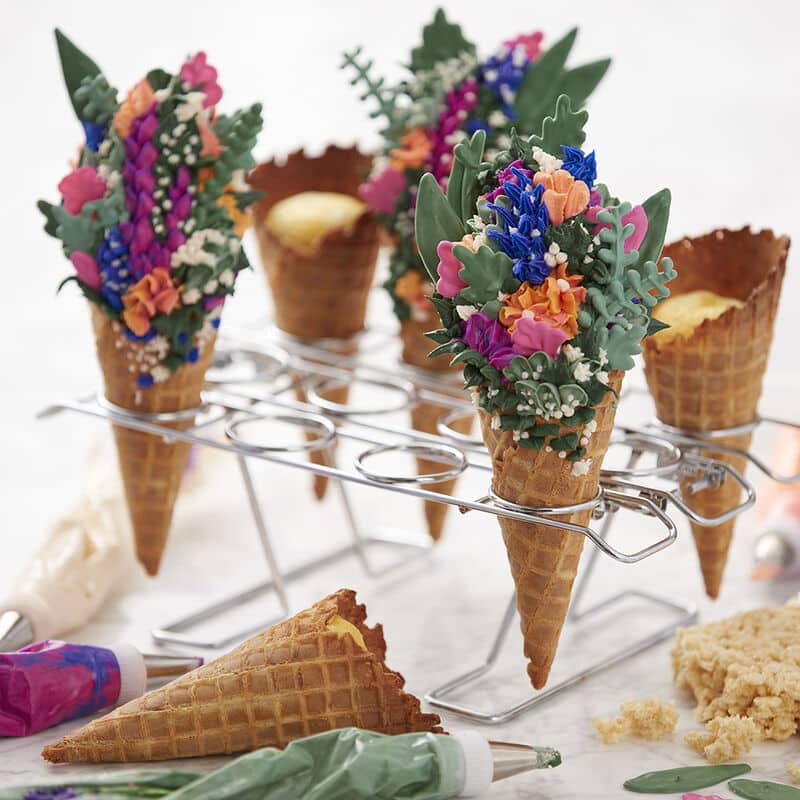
x=574 y=508
x=271 y=354
x=406 y=389
x=431 y=452
x=444 y=427
x=120 y=413
x=705 y=441
x=315 y=423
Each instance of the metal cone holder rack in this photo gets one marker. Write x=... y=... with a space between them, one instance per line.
x=253 y=383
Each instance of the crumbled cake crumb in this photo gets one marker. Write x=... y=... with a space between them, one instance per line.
x=793 y=770
x=724 y=738
x=746 y=666
x=649 y=719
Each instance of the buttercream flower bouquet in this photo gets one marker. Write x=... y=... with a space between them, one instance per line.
x=545 y=286
x=151 y=218
x=450 y=93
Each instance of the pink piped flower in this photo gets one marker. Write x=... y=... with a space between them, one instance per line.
x=210 y=303
x=532 y=42
x=380 y=192
x=87 y=270
x=449 y=283
x=81 y=186
x=536 y=336
x=637 y=216
x=198 y=72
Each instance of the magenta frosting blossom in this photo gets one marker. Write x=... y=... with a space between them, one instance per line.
x=181 y=206
x=87 y=270
x=210 y=303
x=532 y=42
x=198 y=72
x=81 y=186
x=381 y=191
x=489 y=338
x=537 y=336
x=449 y=283
x=637 y=216
x=457 y=105
x=507 y=176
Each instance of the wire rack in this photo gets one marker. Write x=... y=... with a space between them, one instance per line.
x=253 y=384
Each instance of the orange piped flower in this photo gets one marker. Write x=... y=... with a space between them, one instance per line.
x=416 y=148
x=139 y=99
x=152 y=294
x=211 y=146
x=410 y=287
x=241 y=219
x=556 y=301
x=564 y=196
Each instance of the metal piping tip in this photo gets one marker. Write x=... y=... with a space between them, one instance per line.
x=512 y=759
x=16 y=631
x=161 y=666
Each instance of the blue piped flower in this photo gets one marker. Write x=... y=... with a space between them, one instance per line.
x=503 y=72
x=183 y=338
x=215 y=322
x=145 y=380
x=94 y=134
x=523 y=225
x=192 y=355
x=581 y=167
x=473 y=125
x=52 y=793
x=113 y=260
x=132 y=337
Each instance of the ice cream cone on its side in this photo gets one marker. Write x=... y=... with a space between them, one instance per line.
x=544 y=560
x=320 y=292
x=320 y=670
x=425 y=415
x=712 y=378
x=151 y=468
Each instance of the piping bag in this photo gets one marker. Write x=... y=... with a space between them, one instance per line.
x=345 y=764
x=51 y=682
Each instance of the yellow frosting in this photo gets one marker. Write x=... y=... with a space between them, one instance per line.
x=341 y=627
x=685 y=312
x=303 y=220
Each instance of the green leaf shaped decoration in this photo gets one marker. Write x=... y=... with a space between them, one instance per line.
x=573 y=395
x=440 y=40
x=467 y=164
x=657 y=209
x=763 y=790
x=564 y=127
x=75 y=65
x=486 y=272
x=434 y=222
x=580 y=82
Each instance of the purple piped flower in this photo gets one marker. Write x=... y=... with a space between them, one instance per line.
x=508 y=175
x=457 y=105
x=489 y=338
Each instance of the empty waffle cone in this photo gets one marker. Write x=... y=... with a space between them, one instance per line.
x=544 y=560
x=712 y=378
x=151 y=468
x=321 y=294
x=425 y=415
x=301 y=677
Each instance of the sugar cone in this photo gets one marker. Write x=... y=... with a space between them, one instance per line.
x=544 y=560
x=151 y=468
x=712 y=379
x=298 y=678
x=319 y=295
x=425 y=415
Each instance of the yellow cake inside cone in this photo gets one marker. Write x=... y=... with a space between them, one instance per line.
x=686 y=312
x=305 y=219
x=341 y=627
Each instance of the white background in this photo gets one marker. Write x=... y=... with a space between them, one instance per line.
x=702 y=97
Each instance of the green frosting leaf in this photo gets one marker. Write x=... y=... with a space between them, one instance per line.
x=75 y=65
x=440 y=40
x=656 y=325
x=564 y=127
x=580 y=82
x=51 y=217
x=763 y=790
x=657 y=209
x=539 y=88
x=684 y=779
x=467 y=164
x=435 y=221
x=158 y=79
x=94 y=100
x=485 y=271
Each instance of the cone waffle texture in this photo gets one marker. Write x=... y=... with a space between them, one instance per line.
x=425 y=415
x=321 y=295
x=296 y=679
x=151 y=468
x=544 y=560
x=712 y=379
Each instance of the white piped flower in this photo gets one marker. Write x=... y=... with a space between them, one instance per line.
x=495 y=424
x=497 y=119
x=602 y=376
x=581 y=468
x=227 y=277
x=572 y=353
x=191 y=296
x=191 y=106
x=603 y=357
x=465 y=312
x=582 y=372
x=210 y=287
x=546 y=162
x=160 y=373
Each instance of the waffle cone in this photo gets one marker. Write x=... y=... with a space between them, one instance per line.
x=321 y=294
x=425 y=415
x=151 y=469
x=712 y=379
x=544 y=560
x=296 y=679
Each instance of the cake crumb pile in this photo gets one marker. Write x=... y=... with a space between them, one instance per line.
x=648 y=719
x=744 y=672
x=725 y=738
x=793 y=770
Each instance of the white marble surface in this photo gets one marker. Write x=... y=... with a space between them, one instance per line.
x=698 y=99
